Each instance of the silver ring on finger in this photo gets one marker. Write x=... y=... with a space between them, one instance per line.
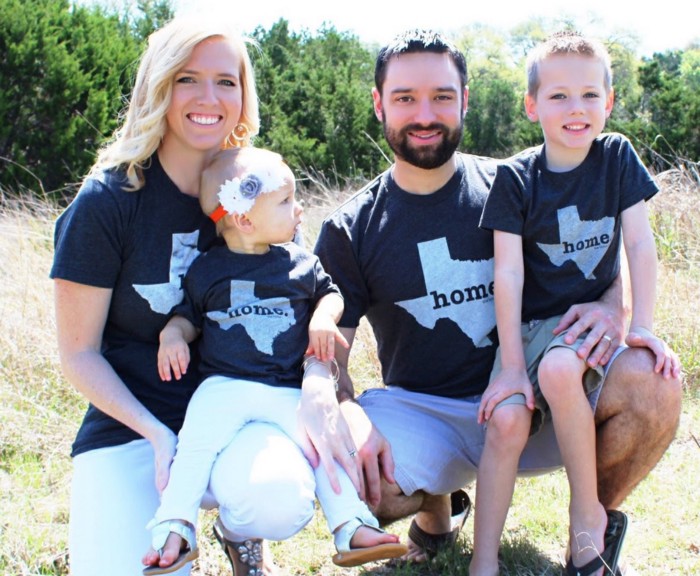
x=607 y=338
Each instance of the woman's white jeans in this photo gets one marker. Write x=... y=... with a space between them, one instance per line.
x=239 y=442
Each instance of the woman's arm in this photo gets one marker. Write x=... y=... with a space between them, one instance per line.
x=329 y=437
x=343 y=433
x=374 y=455
x=81 y=314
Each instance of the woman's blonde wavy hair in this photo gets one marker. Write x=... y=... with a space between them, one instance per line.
x=144 y=123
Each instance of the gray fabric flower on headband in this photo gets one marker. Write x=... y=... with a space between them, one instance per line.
x=237 y=196
x=250 y=187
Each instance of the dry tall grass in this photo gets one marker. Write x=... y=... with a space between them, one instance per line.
x=40 y=414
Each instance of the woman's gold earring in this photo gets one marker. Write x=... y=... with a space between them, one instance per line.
x=237 y=137
x=240 y=132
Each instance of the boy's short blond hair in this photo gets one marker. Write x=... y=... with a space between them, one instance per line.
x=566 y=42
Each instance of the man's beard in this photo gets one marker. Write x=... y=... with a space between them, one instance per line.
x=426 y=157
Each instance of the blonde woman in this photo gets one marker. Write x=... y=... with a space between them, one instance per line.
x=122 y=248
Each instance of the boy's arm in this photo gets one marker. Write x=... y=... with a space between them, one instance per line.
x=640 y=249
x=508 y=285
x=174 y=352
x=323 y=329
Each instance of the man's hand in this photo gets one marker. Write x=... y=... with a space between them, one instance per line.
x=605 y=323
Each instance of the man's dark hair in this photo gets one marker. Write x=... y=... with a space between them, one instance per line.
x=417 y=41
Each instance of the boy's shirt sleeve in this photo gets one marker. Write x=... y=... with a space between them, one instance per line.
x=636 y=183
x=504 y=210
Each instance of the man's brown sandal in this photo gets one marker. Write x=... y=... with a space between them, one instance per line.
x=431 y=544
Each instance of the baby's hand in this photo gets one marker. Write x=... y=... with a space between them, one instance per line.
x=507 y=383
x=173 y=353
x=323 y=334
x=667 y=362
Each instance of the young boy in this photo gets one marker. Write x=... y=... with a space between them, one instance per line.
x=252 y=299
x=559 y=213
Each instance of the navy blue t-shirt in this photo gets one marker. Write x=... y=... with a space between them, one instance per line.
x=570 y=222
x=421 y=270
x=138 y=244
x=254 y=311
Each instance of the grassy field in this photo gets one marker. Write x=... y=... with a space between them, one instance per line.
x=40 y=414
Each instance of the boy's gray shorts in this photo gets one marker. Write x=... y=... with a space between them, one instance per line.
x=537 y=339
x=436 y=442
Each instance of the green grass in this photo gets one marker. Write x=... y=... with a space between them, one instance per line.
x=40 y=414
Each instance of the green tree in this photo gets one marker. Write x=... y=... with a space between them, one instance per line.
x=149 y=16
x=671 y=102
x=628 y=92
x=496 y=124
x=65 y=70
x=316 y=107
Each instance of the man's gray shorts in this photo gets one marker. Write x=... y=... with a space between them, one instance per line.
x=437 y=443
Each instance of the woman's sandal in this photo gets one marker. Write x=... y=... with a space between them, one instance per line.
x=246 y=557
x=348 y=557
x=159 y=535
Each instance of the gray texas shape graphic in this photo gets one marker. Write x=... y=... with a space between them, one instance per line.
x=457 y=290
x=162 y=297
x=263 y=320
x=583 y=242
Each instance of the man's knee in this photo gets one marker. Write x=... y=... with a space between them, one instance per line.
x=636 y=418
x=632 y=386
